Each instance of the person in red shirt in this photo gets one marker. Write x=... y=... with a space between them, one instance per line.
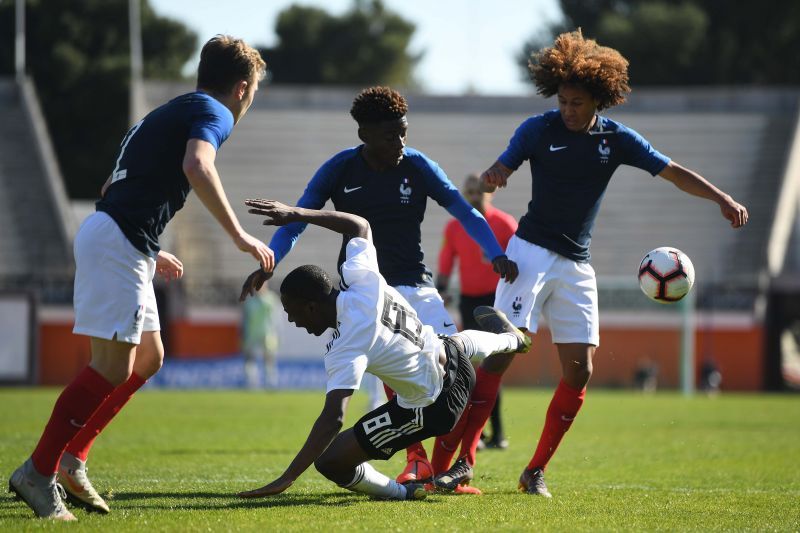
x=478 y=282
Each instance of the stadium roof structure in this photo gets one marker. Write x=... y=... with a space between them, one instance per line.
x=739 y=138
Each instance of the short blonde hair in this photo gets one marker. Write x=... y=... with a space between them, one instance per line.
x=225 y=61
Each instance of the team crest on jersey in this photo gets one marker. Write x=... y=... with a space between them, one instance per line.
x=605 y=150
x=405 y=191
x=517 y=306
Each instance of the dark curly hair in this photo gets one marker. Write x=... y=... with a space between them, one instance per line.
x=573 y=59
x=377 y=104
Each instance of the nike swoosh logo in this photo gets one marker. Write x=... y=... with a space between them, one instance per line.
x=567 y=419
x=556 y=148
x=448 y=325
x=72 y=421
x=346 y=190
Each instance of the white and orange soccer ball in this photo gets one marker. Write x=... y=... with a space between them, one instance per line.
x=666 y=275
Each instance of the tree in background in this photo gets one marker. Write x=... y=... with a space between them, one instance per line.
x=366 y=45
x=694 y=42
x=79 y=57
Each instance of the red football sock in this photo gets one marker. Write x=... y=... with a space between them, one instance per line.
x=415 y=450
x=81 y=443
x=446 y=446
x=481 y=404
x=563 y=408
x=73 y=408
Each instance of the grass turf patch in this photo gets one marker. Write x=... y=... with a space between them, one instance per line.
x=173 y=460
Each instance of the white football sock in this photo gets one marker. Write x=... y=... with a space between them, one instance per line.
x=482 y=344
x=369 y=481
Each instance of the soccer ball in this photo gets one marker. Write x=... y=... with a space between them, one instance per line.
x=666 y=275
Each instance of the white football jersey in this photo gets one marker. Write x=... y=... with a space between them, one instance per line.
x=379 y=332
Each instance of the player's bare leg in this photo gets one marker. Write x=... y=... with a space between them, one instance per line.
x=72 y=471
x=345 y=463
x=576 y=366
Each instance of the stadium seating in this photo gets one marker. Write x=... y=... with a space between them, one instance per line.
x=37 y=228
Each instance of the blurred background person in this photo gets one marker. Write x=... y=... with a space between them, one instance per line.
x=645 y=377
x=710 y=377
x=477 y=279
x=260 y=336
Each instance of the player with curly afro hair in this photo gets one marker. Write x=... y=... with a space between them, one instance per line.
x=573 y=152
x=578 y=61
x=389 y=183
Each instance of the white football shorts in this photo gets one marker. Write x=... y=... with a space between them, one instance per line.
x=114 y=297
x=549 y=284
x=429 y=307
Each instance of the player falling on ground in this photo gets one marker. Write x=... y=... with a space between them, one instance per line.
x=389 y=184
x=573 y=152
x=161 y=159
x=377 y=331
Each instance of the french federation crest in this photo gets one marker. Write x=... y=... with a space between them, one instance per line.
x=405 y=191
x=605 y=150
x=517 y=306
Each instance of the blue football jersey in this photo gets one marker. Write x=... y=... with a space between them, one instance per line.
x=148 y=185
x=570 y=174
x=393 y=201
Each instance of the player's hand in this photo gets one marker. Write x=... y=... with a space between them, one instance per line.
x=168 y=266
x=277 y=214
x=253 y=283
x=270 y=489
x=735 y=212
x=507 y=268
x=260 y=251
x=495 y=176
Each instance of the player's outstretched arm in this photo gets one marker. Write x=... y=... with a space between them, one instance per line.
x=279 y=214
x=325 y=429
x=693 y=183
x=198 y=165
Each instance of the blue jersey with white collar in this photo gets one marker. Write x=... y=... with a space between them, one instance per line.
x=393 y=201
x=148 y=185
x=570 y=174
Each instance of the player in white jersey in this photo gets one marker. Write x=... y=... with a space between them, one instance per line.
x=377 y=331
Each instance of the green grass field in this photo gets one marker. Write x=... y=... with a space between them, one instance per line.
x=172 y=461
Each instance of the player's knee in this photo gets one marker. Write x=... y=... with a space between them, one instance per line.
x=326 y=466
x=154 y=366
x=581 y=373
x=149 y=359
